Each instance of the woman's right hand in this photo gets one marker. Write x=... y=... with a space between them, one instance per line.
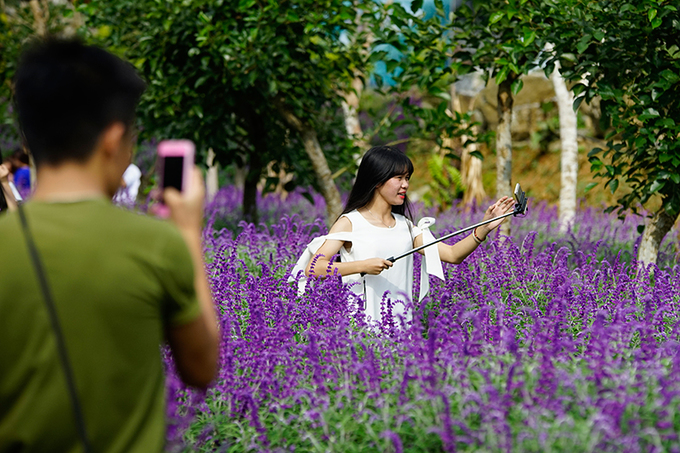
x=374 y=266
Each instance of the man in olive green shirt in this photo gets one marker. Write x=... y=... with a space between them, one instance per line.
x=121 y=282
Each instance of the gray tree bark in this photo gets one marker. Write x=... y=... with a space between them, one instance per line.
x=350 y=109
x=504 y=145
x=212 y=182
x=470 y=166
x=656 y=229
x=569 y=156
x=329 y=190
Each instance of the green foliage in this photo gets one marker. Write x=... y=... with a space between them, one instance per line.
x=17 y=28
x=421 y=79
x=446 y=185
x=501 y=37
x=217 y=71
x=630 y=56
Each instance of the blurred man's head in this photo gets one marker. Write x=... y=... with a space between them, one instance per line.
x=68 y=94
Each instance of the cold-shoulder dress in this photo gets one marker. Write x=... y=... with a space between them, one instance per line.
x=369 y=241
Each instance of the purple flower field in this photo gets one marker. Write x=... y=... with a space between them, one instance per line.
x=537 y=342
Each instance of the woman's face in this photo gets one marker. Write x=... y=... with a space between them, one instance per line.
x=394 y=189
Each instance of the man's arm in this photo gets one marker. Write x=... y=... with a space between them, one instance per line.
x=194 y=345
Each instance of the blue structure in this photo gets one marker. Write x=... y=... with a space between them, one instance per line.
x=392 y=53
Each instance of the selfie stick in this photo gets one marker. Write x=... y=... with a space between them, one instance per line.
x=520 y=209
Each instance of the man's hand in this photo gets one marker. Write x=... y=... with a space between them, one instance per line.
x=194 y=345
x=186 y=208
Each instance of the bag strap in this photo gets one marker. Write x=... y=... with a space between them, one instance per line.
x=56 y=327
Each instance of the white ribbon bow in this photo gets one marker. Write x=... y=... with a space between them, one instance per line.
x=309 y=254
x=432 y=263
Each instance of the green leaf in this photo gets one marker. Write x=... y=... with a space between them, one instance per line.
x=495 y=17
x=197 y=110
x=502 y=75
x=578 y=89
x=590 y=186
x=103 y=32
x=614 y=184
x=670 y=76
x=577 y=102
x=529 y=37
x=649 y=113
x=656 y=186
x=201 y=81
x=651 y=14
x=611 y=171
x=416 y=5
x=594 y=151
x=516 y=86
x=583 y=43
x=656 y=22
x=477 y=154
x=665 y=122
x=665 y=158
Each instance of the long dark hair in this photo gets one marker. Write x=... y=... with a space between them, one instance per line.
x=378 y=165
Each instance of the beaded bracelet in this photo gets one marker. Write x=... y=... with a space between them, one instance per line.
x=476 y=238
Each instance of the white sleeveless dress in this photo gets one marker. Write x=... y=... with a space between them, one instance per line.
x=370 y=241
x=395 y=283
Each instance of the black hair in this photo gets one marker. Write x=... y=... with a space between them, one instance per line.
x=378 y=165
x=67 y=94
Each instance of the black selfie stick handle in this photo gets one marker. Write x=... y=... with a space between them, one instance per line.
x=443 y=238
x=520 y=208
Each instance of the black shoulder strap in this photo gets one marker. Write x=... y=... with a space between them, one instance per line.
x=56 y=327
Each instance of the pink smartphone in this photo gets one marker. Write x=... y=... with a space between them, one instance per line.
x=175 y=161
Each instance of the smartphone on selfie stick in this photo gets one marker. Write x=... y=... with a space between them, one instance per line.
x=175 y=161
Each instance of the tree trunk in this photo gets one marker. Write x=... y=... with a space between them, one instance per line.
x=504 y=144
x=656 y=229
x=212 y=181
x=471 y=169
x=470 y=166
x=255 y=168
x=350 y=108
x=569 y=156
x=329 y=190
x=323 y=173
x=240 y=173
x=41 y=15
x=257 y=135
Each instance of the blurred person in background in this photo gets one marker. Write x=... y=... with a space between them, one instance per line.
x=21 y=172
x=129 y=186
x=8 y=200
x=91 y=291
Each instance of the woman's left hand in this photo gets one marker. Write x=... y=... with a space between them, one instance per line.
x=502 y=206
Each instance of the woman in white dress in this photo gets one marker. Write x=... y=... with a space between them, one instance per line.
x=376 y=224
